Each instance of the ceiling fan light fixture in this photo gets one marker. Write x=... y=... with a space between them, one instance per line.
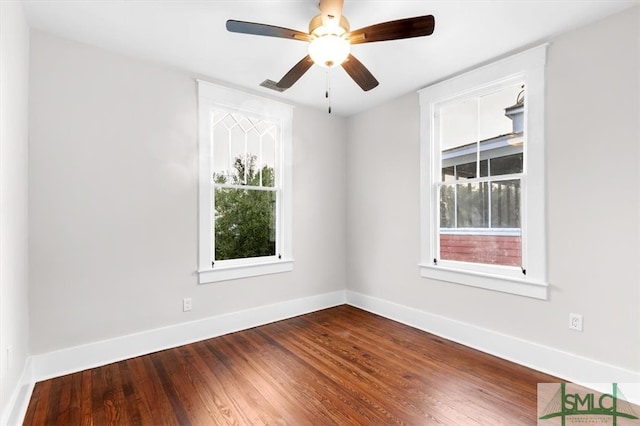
x=329 y=50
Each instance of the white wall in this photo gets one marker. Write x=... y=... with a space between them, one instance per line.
x=592 y=136
x=113 y=201
x=14 y=310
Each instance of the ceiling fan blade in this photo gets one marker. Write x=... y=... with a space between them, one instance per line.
x=331 y=11
x=295 y=73
x=265 y=30
x=359 y=73
x=394 y=30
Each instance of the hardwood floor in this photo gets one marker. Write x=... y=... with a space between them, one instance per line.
x=337 y=366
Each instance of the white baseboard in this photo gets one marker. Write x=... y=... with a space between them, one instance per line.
x=567 y=366
x=78 y=358
x=19 y=401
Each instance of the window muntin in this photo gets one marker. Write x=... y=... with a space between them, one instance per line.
x=440 y=175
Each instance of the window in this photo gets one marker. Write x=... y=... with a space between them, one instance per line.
x=482 y=171
x=481 y=157
x=245 y=185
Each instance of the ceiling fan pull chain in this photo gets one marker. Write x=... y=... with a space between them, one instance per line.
x=327 y=93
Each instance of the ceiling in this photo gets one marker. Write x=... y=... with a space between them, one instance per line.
x=191 y=35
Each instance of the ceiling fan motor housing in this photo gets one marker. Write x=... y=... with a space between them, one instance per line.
x=318 y=28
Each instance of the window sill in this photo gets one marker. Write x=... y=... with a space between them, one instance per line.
x=522 y=287
x=225 y=273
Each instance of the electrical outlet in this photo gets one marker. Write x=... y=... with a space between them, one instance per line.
x=575 y=322
x=186 y=304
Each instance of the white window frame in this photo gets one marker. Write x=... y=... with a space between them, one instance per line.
x=527 y=67
x=212 y=96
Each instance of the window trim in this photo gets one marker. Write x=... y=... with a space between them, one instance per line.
x=527 y=67
x=211 y=96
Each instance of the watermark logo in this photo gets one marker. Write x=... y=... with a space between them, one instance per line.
x=568 y=403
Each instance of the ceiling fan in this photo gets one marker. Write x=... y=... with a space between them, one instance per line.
x=330 y=40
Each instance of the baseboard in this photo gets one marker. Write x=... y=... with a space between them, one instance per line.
x=570 y=367
x=78 y=358
x=19 y=401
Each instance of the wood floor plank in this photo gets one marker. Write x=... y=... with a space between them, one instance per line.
x=386 y=381
x=227 y=401
x=341 y=366
x=246 y=397
x=211 y=389
x=54 y=398
x=68 y=407
x=407 y=410
x=86 y=399
x=130 y=400
x=318 y=385
x=269 y=376
x=181 y=396
x=38 y=397
x=354 y=383
x=140 y=393
x=299 y=382
x=446 y=363
x=271 y=403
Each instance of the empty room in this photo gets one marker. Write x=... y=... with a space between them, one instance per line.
x=314 y=212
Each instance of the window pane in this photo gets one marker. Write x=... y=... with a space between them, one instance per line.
x=466 y=171
x=473 y=205
x=490 y=246
x=447 y=206
x=459 y=124
x=268 y=147
x=505 y=204
x=480 y=248
x=248 y=167
x=238 y=141
x=245 y=223
x=484 y=168
x=509 y=164
x=492 y=118
x=448 y=174
x=237 y=151
x=253 y=150
x=221 y=161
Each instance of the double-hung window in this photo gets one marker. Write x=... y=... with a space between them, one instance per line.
x=245 y=184
x=482 y=170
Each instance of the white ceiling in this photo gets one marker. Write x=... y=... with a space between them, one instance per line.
x=191 y=35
